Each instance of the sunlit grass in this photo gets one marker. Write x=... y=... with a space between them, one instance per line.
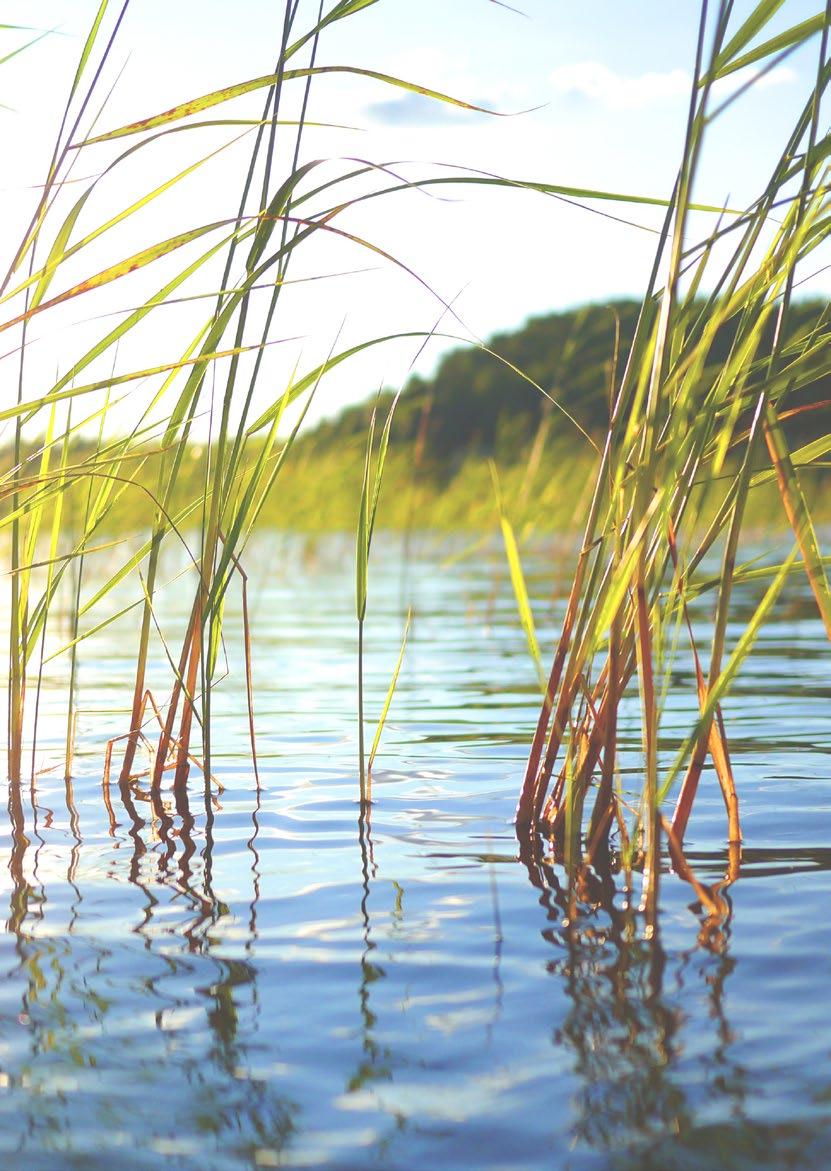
x=75 y=494
x=687 y=443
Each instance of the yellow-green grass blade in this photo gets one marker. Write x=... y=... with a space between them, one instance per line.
x=795 y=35
x=60 y=250
x=241 y=515
x=31 y=235
x=215 y=635
x=55 y=482
x=29 y=543
x=334 y=360
x=174 y=524
x=89 y=45
x=248 y=123
x=217 y=97
x=275 y=210
x=123 y=268
x=259 y=485
x=362 y=536
x=471 y=177
x=215 y=333
x=806 y=456
x=526 y=616
x=278 y=464
x=744 y=574
x=379 y=469
x=720 y=688
x=382 y=719
x=23 y=48
x=799 y=515
x=56 y=558
x=753 y=24
x=314 y=376
x=135 y=316
x=30 y=406
x=621 y=579
x=340 y=11
x=99 y=626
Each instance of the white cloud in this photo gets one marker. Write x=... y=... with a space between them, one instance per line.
x=782 y=75
x=595 y=82
x=591 y=81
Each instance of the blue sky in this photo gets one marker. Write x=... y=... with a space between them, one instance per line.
x=606 y=85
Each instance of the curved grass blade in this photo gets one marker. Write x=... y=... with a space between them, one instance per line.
x=228 y=93
x=382 y=719
x=526 y=616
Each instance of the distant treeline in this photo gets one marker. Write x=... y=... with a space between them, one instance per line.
x=446 y=428
x=476 y=404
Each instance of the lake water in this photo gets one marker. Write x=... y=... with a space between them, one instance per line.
x=263 y=981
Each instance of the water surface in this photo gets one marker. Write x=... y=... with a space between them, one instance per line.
x=263 y=979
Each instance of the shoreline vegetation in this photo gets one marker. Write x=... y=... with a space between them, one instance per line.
x=478 y=409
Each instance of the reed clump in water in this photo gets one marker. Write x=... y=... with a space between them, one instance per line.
x=75 y=467
x=686 y=433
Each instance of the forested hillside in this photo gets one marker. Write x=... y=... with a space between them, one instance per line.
x=477 y=404
x=519 y=401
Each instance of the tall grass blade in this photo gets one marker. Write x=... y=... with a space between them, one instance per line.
x=382 y=719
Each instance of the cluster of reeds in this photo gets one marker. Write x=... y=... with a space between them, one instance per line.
x=77 y=449
x=685 y=433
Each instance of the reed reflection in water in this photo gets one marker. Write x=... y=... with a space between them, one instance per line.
x=102 y=1047
x=632 y=1004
